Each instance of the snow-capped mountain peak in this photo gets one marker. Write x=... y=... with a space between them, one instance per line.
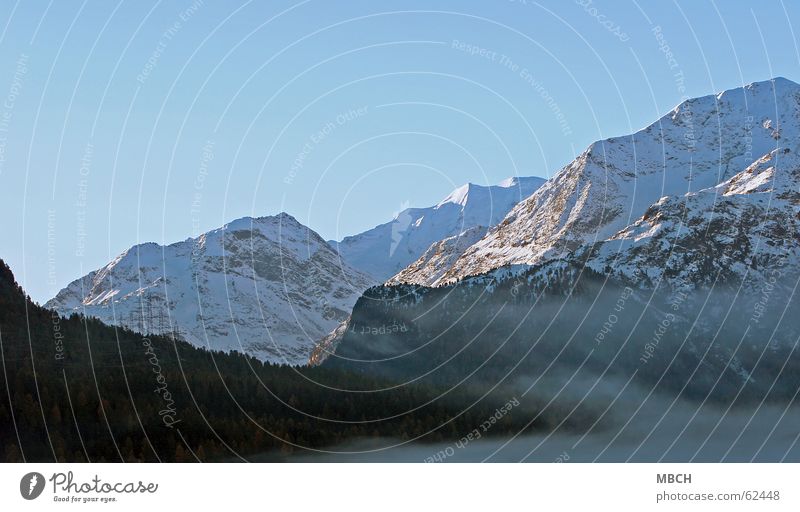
x=458 y=196
x=388 y=248
x=268 y=286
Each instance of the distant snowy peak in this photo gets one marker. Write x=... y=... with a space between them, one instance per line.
x=471 y=193
x=700 y=144
x=458 y=196
x=267 y=286
x=388 y=248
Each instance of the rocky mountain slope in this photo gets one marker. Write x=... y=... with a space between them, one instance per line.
x=439 y=257
x=744 y=231
x=700 y=145
x=268 y=286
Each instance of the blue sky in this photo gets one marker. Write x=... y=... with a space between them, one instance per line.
x=126 y=122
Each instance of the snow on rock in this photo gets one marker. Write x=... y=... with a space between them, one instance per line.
x=700 y=144
x=385 y=250
x=429 y=268
x=742 y=230
x=267 y=286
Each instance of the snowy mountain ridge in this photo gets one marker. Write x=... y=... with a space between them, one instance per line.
x=686 y=155
x=388 y=248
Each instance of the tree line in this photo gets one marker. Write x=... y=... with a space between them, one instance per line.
x=74 y=389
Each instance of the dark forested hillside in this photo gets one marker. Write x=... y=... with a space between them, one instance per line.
x=75 y=389
x=570 y=322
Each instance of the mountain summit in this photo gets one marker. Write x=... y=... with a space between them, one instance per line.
x=268 y=286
